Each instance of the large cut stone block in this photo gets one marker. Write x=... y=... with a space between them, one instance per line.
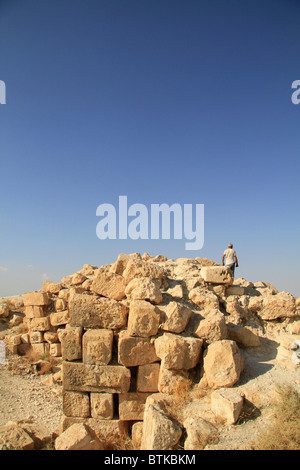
x=132 y=406
x=222 y=364
x=102 y=405
x=97 y=346
x=109 y=285
x=143 y=319
x=217 y=275
x=76 y=404
x=178 y=352
x=135 y=351
x=147 y=378
x=35 y=298
x=93 y=378
x=90 y=311
x=70 y=339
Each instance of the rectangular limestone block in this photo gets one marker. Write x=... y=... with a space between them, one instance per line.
x=97 y=346
x=235 y=290
x=36 y=337
x=51 y=287
x=147 y=378
x=217 y=275
x=70 y=339
x=60 y=318
x=40 y=349
x=93 y=378
x=76 y=404
x=132 y=406
x=91 y=311
x=34 y=311
x=51 y=337
x=106 y=430
x=60 y=305
x=55 y=349
x=40 y=324
x=135 y=351
x=178 y=352
x=108 y=284
x=35 y=298
x=227 y=404
x=143 y=319
x=102 y=405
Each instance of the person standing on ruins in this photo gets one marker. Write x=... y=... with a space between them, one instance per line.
x=231 y=258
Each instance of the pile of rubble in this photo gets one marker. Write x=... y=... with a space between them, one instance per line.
x=136 y=335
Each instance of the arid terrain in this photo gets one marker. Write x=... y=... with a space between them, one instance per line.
x=33 y=390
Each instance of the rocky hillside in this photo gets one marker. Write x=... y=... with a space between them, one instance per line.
x=155 y=352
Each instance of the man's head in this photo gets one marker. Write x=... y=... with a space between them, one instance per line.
x=230 y=245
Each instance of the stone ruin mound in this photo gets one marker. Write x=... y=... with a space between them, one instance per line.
x=135 y=334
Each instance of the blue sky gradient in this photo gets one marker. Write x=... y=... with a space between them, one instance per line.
x=165 y=101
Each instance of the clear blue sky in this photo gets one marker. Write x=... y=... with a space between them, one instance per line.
x=165 y=101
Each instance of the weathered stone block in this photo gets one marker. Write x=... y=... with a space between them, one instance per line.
x=135 y=351
x=76 y=404
x=36 y=337
x=109 y=285
x=93 y=378
x=227 y=404
x=97 y=346
x=199 y=433
x=35 y=298
x=203 y=298
x=4 y=310
x=217 y=275
x=140 y=268
x=143 y=319
x=90 y=311
x=137 y=434
x=172 y=381
x=34 y=311
x=60 y=305
x=121 y=263
x=78 y=437
x=280 y=305
x=40 y=324
x=147 y=378
x=144 y=289
x=235 y=290
x=78 y=279
x=105 y=429
x=14 y=437
x=212 y=327
x=244 y=336
x=51 y=287
x=222 y=363
x=159 y=431
x=178 y=352
x=60 y=318
x=178 y=317
x=40 y=349
x=70 y=339
x=55 y=349
x=102 y=405
x=132 y=406
x=51 y=337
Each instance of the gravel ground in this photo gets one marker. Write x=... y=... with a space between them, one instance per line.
x=23 y=396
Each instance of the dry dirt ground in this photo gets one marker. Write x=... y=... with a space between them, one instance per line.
x=24 y=396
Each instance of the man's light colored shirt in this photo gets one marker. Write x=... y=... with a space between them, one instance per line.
x=230 y=255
